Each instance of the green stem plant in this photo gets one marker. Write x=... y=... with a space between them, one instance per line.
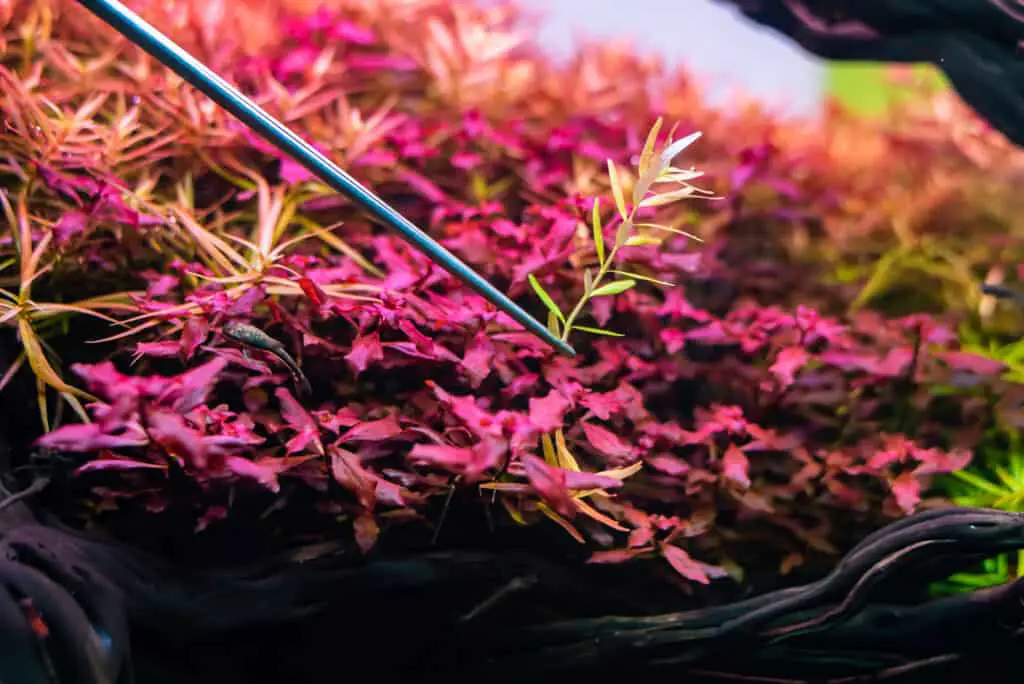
x=654 y=169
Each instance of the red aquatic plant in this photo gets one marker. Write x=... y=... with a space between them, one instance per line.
x=731 y=402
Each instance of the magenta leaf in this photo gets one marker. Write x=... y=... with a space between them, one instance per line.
x=194 y=448
x=554 y=483
x=615 y=556
x=164 y=350
x=366 y=349
x=550 y=484
x=117 y=464
x=736 y=467
x=788 y=362
x=305 y=426
x=603 y=406
x=970 y=362
x=265 y=471
x=547 y=413
x=470 y=462
x=349 y=472
x=366 y=532
x=641 y=537
x=479 y=359
x=607 y=442
x=906 y=489
x=374 y=431
x=686 y=566
x=81 y=437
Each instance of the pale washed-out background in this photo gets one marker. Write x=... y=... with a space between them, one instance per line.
x=727 y=52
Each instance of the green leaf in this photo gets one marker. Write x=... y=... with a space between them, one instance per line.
x=978 y=483
x=641 y=240
x=614 y=288
x=553 y=324
x=545 y=297
x=549 y=450
x=620 y=200
x=645 y=278
x=479 y=185
x=622 y=234
x=598 y=331
x=588 y=281
x=598 y=235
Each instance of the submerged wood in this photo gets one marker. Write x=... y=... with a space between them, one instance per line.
x=77 y=609
x=975 y=43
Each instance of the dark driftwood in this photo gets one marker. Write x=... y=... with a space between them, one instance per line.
x=115 y=616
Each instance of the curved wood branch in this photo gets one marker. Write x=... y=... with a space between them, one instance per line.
x=70 y=606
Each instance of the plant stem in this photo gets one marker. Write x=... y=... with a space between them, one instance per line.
x=601 y=273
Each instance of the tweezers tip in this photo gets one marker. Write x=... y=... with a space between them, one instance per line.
x=563 y=347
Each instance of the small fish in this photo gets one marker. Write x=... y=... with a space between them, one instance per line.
x=252 y=336
x=1003 y=292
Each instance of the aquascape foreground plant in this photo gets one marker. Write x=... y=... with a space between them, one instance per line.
x=746 y=419
x=654 y=169
x=996 y=477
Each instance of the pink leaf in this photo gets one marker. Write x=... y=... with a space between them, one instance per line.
x=298 y=419
x=104 y=379
x=673 y=339
x=602 y=405
x=580 y=481
x=686 y=566
x=366 y=532
x=607 y=442
x=366 y=349
x=615 y=556
x=292 y=172
x=442 y=454
x=736 y=467
x=478 y=360
x=313 y=292
x=374 y=431
x=190 y=389
x=788 y=362
x=668 y=464
x=117 y=464
x=547 y=413
x=195 y=333
x=552 y=488
x=80 y=437
x=907 y=492
x=554 y=483
x=349 y=472
x=198 y=450
x=211 y=515
x=477 y=420
x=263 y=472
x=895 y=363
x=936 y=461
x=72 y=224
x=470 y=462
x=162 y=350
x=642 y=536
x=970 y=362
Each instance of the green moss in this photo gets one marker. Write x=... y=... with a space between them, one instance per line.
x=865 y=88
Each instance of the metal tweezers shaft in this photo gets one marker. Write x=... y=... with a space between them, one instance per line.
x=220 y=91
